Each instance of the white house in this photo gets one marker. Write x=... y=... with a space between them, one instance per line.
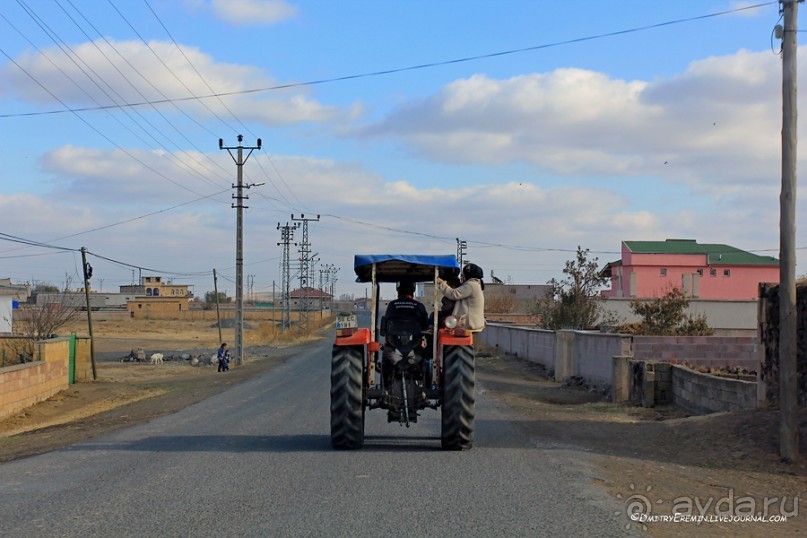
x=6 y=306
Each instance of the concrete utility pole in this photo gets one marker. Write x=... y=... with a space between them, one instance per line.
x=239 y=198
x=788 y=351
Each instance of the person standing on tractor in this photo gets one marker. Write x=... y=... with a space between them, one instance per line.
x=469 y=299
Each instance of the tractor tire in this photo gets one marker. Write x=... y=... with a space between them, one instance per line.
x=459 y=396
x=347 y=399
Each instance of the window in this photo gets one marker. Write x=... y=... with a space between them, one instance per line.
x=663 y=271
x=726 y=272
x=712 y=272
x=700 y=272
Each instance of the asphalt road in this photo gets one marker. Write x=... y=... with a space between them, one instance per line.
x=256 y=461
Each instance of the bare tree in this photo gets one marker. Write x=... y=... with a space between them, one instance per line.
x=39 y=322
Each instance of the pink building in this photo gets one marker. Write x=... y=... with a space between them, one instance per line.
x=652 y=268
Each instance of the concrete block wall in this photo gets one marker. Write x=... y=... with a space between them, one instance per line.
x=608 y=359
x=536 y=345
x=567 y=353
x=662 y=385
x=23 y=385
x=711 y=351
x=592 y=355
x=703 y=393
x=83 y=362
x=10 y=347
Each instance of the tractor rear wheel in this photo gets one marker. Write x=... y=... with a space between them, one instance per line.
x=347 y=401
x=459 y=396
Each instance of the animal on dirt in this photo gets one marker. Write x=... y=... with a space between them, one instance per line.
x=156 y=358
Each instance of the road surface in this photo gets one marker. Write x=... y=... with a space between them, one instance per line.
x=256 y=461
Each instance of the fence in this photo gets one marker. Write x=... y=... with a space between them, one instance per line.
x=608 y=359
x=49 y=372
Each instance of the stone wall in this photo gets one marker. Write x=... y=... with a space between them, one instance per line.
x=769 y=336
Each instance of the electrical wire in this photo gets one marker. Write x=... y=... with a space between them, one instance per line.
x=73 y=56
x=391 y=71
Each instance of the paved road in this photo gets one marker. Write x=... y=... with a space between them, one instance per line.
x=256 y=461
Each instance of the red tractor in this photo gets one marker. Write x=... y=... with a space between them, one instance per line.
x=435 y=370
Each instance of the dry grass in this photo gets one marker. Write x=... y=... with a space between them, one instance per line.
x=122 y=334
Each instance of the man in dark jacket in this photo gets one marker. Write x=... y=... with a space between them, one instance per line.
x=402 y=325
x=406 y=307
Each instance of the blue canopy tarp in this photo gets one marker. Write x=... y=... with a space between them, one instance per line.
x=396 y=267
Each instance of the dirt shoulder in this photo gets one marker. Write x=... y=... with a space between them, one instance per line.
x=660 y=459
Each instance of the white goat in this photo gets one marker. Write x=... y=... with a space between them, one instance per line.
x=156 y=358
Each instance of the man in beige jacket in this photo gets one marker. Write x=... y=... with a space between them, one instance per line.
x=469 y=299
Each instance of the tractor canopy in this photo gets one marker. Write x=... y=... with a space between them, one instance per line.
x=397 y=267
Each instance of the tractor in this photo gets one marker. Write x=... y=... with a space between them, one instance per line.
x=435 y=370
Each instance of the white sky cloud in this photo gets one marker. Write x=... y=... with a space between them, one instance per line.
x=251 y=12
x=156 y=72
x=573 y=121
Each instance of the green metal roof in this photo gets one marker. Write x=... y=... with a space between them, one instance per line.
x=717 y=254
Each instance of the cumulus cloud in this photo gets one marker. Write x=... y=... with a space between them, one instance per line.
x=158 y=72
x=252 y=12
x=717 y=121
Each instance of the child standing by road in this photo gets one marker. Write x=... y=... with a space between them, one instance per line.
x=224 y=358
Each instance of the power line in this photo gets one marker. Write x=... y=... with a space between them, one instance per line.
x=391 y=71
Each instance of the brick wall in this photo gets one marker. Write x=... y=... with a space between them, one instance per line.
x=23 y=385
x=717 y=351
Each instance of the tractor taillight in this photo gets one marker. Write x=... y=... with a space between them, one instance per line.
x=345 y=332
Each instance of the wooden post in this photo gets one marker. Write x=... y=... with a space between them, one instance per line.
x=218 y=315
x=89 y=311
x=788 y=387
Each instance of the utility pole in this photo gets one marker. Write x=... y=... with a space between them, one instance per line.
x=321 y=293
x=788 y=356
x=218 y=314
x=87 y=276
x=333 y=279
x=239 y=206
x=305 y=255
x=286 y=235
x=461 y=249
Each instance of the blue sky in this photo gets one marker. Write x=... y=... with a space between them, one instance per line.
x=588 y=139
